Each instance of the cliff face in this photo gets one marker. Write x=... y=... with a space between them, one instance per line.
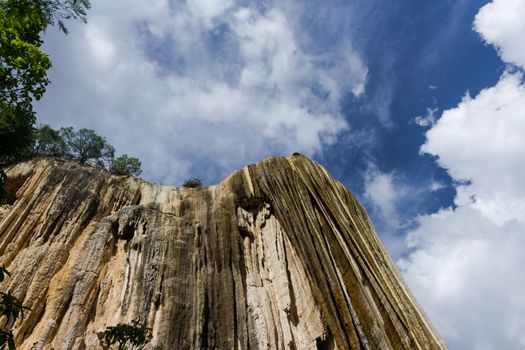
x=277 y=256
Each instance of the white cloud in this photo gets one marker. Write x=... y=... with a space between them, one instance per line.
x=384 y=192
x=204 y=84
x=392 y=200
x=436 y=186
x=101 y=49
x=481 y=140
x=466 y=271
x=501 y=24
x=389 y=194
x=208 y=9
x=466 y=268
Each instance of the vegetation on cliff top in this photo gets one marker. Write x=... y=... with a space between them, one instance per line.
x=84 y=146
x=192 y=183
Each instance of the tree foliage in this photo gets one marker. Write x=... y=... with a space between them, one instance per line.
x=16 y=128
x=127 y=336
x=56 y=12
x=125 y=165
x=7 y=340
x=11 y=308
x=86 y=146
x=22 y=75
x=3 y=273
x=23 y=67
x=49 y=142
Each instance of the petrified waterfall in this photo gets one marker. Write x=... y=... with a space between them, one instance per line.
x=277 y=256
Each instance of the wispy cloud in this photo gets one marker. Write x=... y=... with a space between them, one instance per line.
x=384 y=191
x=429 y=119
x=393 y=199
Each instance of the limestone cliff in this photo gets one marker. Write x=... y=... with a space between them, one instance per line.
x=277 y=256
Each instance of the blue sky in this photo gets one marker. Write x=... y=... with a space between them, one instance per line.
x=422 y=57
x=416 y=106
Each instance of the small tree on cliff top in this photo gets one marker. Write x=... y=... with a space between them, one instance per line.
x=125 y=165
x=86 y=146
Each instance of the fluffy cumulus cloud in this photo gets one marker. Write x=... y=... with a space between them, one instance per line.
x=199 y=87
x=466 y=265
x=501 y=24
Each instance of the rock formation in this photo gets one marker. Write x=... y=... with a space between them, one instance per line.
x=277 y=256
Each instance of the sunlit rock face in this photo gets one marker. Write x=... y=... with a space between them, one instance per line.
x=277 y=256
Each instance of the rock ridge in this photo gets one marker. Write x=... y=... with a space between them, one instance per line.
x=277 y=256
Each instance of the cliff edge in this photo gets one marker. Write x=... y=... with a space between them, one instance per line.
x=277 y=256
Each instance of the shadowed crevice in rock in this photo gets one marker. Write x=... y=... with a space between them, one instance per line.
x=277 y=256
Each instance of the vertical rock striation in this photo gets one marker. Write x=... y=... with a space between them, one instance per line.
x=277 y=256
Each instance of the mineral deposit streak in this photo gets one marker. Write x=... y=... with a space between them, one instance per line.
x=277 y=256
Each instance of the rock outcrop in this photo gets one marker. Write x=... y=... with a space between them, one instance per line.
x=277 y=256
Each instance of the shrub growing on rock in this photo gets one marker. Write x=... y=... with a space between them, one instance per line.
x=11 y=308
x=192 y=183
x=134 y=336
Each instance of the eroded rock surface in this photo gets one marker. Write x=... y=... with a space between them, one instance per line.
x=277 y=256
